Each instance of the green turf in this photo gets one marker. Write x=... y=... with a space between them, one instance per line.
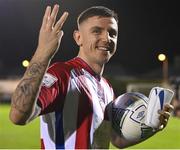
x=169 y=138
x=28 y=136
x=13 y=136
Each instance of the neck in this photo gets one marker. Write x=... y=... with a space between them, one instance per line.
x=97 y=68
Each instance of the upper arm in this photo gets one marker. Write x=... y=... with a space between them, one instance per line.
x=54 y=88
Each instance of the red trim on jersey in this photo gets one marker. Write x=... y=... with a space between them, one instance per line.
x=83 y=122
x=42 y=144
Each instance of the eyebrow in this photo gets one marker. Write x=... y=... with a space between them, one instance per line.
x=100 y=28
x=96 y=27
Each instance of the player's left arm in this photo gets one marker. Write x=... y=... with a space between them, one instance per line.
x=120 y=142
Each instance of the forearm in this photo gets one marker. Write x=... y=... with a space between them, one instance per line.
x=25 y=96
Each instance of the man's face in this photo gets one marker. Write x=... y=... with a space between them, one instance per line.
x=98 y=39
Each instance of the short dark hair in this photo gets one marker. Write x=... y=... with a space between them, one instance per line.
x=100 y=11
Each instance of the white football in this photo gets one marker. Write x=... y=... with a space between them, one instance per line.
x=127 y=114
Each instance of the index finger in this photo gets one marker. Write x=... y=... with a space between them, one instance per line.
x=61 y=21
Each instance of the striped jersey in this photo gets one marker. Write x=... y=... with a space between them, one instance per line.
x=72 y=103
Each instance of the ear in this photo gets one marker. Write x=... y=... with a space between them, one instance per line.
x=77 y=37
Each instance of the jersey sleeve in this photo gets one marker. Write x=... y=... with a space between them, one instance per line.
x=53 y=89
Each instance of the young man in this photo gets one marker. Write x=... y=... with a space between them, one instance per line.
x=70 y=96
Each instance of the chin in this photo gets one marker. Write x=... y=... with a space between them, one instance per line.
x=103 y=59
x=106 y=60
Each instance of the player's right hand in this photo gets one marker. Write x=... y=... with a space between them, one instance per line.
x=51 y=32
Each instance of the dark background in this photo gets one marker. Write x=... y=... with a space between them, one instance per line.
x=146 y=28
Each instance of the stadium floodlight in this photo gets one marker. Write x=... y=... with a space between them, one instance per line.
x=161 y=57
x=25 y=63
x=164 y=60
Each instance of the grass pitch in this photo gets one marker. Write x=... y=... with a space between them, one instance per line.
x=17 y=137
x=28 y=137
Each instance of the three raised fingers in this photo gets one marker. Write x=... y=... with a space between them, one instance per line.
x=49 y=19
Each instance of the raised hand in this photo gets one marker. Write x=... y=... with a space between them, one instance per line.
x=25 y=96
x=51 y=32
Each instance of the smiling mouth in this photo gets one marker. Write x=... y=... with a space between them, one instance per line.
x=102 y=48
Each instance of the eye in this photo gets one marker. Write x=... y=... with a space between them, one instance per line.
x=113 y=33
x=96 y=30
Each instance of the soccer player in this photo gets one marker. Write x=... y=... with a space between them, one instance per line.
x=71 y=97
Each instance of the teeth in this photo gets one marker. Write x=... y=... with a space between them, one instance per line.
x=103 y=48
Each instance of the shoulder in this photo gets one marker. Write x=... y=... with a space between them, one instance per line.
x=62 y=70
x=60 y=67
x=64 y=66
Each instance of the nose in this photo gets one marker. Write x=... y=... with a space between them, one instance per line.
x=106 y=37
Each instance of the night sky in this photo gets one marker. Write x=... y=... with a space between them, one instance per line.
x=146 y=28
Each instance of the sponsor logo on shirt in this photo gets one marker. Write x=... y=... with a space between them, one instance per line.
x=49 y=80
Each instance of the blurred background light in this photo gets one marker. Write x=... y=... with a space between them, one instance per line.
x=25 y=63
x=161 y=57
